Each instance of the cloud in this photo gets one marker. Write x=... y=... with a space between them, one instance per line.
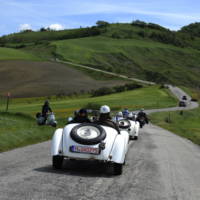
x=56 y=27
x=24 y=27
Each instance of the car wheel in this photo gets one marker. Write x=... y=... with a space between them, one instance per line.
x=131 y=137
x=57 y=162
x=124 y=124
x=88 y=134
x=117 y=168
x=135 y=138
x=54 y=124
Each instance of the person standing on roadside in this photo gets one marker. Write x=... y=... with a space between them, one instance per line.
x=46 y=109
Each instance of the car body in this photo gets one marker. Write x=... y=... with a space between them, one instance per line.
x=131 y=126
x=182 y=103
x=184 y=97
x=89 y=141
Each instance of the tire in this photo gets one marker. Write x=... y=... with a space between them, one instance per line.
x=135 y=138
x=131 y=137
x=116 y=168
x=82 y=134
x=57 y=162
x=124 y=124
x=54 y=124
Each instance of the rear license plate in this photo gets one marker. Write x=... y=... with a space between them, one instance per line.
x=88 y=150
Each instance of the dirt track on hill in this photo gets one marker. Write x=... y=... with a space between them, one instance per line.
x=31 y=79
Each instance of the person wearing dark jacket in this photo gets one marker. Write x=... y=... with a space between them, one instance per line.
x=81 y=117
x=142 y=118
x=105 y=118
x=45 y=109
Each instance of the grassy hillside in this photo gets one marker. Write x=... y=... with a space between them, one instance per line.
x=32 y=79
x=13 y=54
x=143 y=50
x=144 y=59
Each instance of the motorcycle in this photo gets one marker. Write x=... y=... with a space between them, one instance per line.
x=49 y=121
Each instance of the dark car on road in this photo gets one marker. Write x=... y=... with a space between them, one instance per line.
x=182 y=104
x=184 y=97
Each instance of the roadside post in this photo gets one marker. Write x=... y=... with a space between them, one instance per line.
x=8 y=100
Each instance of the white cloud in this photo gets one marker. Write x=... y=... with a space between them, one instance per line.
x=56 y=27
x=24 y=27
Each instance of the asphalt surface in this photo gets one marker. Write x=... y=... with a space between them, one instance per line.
x=159 y=166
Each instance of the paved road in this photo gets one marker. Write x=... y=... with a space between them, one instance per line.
x=160 y=166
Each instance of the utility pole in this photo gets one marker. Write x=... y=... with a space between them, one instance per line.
x=8 y=100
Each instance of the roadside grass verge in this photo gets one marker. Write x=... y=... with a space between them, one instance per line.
x=17 y=130
x=20 y=129
x=185 y=124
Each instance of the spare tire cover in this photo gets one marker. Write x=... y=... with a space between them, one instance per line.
x=124 y=124
x=87 y=133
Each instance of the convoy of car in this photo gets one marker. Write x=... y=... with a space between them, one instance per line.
x=91 y=141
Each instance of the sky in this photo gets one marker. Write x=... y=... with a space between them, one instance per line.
x=16 y=15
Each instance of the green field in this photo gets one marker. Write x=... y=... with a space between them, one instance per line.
x=18 y=130
x=186 y=125
x=13 y=54
x=148 y=97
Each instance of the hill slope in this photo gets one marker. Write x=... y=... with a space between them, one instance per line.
x=30 y=79
x=144 y=59
x=143 y=50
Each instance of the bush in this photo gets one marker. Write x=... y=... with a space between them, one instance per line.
x=168 y=38
x=102 y=91
x=120 y=88
x=102 y=24
x=132 y=86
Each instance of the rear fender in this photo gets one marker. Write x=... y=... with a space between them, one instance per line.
x=56 y=143
x=119 y=149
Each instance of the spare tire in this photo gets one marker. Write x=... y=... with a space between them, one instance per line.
x=88 y=134
x=124 y=124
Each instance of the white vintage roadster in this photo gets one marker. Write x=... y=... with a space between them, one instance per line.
x=89 y=141
x=131 y=126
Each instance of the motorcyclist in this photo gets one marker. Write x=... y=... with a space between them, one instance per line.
x=142 y=117
x=118 y=117
x=81 y=117
x=105 y=119
x=46 y=109
x=130 y=116
x=125 y=113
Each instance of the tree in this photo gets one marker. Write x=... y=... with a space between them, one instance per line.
x=102 y=24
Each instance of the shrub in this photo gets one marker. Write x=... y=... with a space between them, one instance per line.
x=102 y=91
x=132 y=86
x=102 y=24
